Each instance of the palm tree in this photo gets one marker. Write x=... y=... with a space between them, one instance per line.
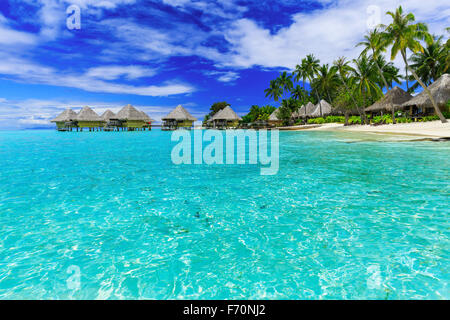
x=390 y=72
x=285 y=83
x=311 y=68
x=431 y=63
x=300 y=73
x=366 y=79
x=404 y=34
x=344 y=69
x=274 y=91
x=298 y=93
x=327 y=80
x=373 y=42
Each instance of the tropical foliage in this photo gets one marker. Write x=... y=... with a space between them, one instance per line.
x=351 y=86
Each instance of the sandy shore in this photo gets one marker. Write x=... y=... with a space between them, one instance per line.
x=433 y=129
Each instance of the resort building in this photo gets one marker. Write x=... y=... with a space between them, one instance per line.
x=87 y=118
x=393 y=99
x=421 y=104
x=179 y=118
x=66 y=120
x=307 y=110
x=274 y=120
x=225 y=118
x=132 y=119
x=296 y=114
x=322 y=109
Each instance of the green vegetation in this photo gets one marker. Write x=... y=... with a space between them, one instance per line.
x=216 y=107
x=258 y=113
x=351 y=86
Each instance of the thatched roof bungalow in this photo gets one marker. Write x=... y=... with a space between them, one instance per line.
x=393 y=99
x=87 y=118
x=421 y=104
x=178 y=118
x=322 y=109
x=274 y=119
x=65 y=119
x=108 y=115
x=225 y=118
x=307 y=111
x=132 y=118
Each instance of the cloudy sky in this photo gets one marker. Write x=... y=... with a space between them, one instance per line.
x=158 y=54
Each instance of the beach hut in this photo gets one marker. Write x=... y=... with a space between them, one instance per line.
x=110 y=120
x=393 y=99
x=274 y=120
x=65 y=121
x=131 y=118
x=421 y=104
x=307 y=111
x=322 y=109
x=87 y=118
x=225 y=118
x=178 y=118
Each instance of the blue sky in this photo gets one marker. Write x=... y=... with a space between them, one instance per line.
x=158 y=54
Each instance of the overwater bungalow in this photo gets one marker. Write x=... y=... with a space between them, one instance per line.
x=132 y=119
x=179 y=118
x=274 y=120
x=393 y=99
x=147 y=120
x=322 y=109
x=225 y=118
x=87 y=118
x=421 y=104
x=66 y=120
x=109 y=118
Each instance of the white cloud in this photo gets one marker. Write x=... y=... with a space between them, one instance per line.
x=327 y=33
x=9 y=36
x=115 y=72
x=223 y=76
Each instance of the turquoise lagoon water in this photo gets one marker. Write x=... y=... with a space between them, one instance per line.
x=340 y=220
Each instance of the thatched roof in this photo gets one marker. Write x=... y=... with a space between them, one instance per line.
x=307 y=111
x=226 y=114
x=130 y=113
x=274 y=116
x=108 y=115
x=393 y=99
x=146 y=117
x=296 y=114
x=326 y=109
x=440 y=90
x=66 y=115
x=87 y=114
x=180 y=114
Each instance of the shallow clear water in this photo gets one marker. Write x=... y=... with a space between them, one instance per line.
x=339 y=221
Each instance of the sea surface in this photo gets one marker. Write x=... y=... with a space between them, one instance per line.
x=108 y=215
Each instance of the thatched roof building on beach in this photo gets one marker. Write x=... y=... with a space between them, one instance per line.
x=307 y=111
x=225 y=118
x=421 y=104
x=322 y=109
x=65 y=119
x=393 y=99
x=87 y=118
x=274 y=119
x=178 y=118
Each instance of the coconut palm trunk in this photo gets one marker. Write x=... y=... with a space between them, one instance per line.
x=354 y=101
x=427 y=91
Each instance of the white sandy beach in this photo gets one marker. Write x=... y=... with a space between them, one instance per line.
x=433 y=129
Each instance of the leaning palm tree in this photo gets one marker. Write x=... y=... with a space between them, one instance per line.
x=344 y=70
x=431 y=63
x=404 y=34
